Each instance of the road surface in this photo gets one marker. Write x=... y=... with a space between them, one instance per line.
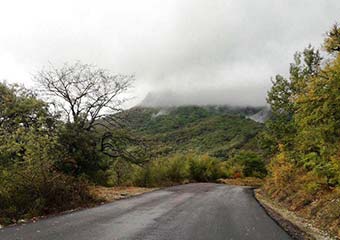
x=193 y=211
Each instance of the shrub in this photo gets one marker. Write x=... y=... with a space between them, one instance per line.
x=31 y=185
x=205 y=168
x=34 y=191
x=252 y=164
x=177 y=168
x=163 y=171
x=180 y=168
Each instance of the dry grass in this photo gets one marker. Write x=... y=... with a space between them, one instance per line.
x=308 y=196
x=109 y=194
x=311 y=225
x=248 y=181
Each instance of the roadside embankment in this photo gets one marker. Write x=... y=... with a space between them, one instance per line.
x=301 y=227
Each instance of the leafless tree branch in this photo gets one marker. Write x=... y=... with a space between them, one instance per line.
x=85 y=93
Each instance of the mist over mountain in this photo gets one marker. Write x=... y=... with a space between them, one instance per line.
x=246 y=96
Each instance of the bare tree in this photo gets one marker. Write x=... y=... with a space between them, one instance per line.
x=84 y=93
x=89 y=96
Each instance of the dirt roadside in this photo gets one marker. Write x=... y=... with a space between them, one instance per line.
x=109 y=194
x=299 y=228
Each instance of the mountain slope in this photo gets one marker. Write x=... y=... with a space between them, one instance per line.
x=216 y=130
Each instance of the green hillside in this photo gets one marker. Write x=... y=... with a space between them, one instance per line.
x=216 y=130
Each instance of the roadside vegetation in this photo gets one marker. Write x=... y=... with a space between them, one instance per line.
x=302 y=137
x=190 y=167
x=52 y=150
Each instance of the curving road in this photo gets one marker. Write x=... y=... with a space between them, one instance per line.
x=193 y=211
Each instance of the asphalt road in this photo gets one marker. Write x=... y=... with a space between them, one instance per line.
x=193 y=211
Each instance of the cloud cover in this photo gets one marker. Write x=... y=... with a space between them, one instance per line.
x=219 y=51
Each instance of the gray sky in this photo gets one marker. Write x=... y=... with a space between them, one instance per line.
x=220 y=51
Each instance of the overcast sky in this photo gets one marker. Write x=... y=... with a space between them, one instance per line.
x=212 y=51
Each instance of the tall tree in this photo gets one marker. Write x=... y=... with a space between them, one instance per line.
x=281 y=129
x=88 y=98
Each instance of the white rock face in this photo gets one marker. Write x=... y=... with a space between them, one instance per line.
x=261 y=116
x=160 y=113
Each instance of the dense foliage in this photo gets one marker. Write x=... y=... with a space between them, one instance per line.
x=304 y=131
x=30 y=181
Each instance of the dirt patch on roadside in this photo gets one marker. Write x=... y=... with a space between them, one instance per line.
x=249 y=181
x=109 y=194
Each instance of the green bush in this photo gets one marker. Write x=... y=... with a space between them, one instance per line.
x=177 y=168
x=205 y=168
x=30 y=184
x=180 y=168
x=38 y=190
x=162 y=171
x=252 y=164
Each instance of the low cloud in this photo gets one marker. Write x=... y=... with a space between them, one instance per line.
x=207 y=52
